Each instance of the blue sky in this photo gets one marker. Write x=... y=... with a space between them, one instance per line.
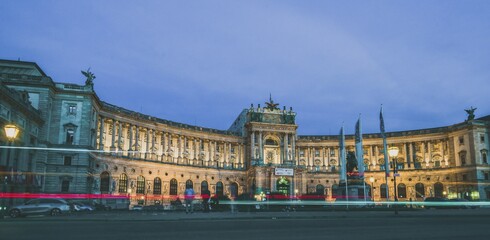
x=202 y=62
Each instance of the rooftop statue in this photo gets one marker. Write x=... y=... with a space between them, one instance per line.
x=90 y=77
x=471 y=113
x=271 y=105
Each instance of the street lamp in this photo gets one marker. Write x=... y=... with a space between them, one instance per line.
x=11 y=132
x=393 y=152
x=371 y=180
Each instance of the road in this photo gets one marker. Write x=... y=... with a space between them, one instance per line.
x=442 y=224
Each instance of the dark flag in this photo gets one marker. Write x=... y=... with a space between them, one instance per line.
x=385 y=146
x=359 y=150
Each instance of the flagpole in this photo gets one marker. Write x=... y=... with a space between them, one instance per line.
x=385 y=151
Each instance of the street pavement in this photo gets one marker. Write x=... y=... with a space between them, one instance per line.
x=417 y=224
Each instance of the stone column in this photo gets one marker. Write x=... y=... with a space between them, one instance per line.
x=293 y=147
x=286 y=148
x=130 y=140
x=101 y=134
x=209 y=152
x=179 y=146
x=261 y=148
x=119 y=136
x=429 y=150
x=137 y=142
x=412 y=154
x=147 y=147
x=169 y=146
x=153 y=139
x=324 y=159
x=195 y=148
x=113 y=139
x=328 y=158
x=252 y=145
x=407 y=156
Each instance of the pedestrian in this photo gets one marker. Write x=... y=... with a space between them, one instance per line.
x=205 y=200
x=189 y=197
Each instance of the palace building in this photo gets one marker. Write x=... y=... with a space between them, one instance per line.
x=71 y=141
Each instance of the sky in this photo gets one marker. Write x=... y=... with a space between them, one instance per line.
x=203 y=62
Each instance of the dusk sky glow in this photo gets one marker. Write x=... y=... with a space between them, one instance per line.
x=203 y=62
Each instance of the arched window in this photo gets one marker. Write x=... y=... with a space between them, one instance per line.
x=438 y=189
x=234 y=190
x=173 y=187
x=157 y=186
x=382 y=190
x=320 y=190
x=419 y=190
x=204 y=186
x=123 y=183
x=140 y=185
x=402 y=190
x=104 y=182
x=219 y=188
x=189 y=184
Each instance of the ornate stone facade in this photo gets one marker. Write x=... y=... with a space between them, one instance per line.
x=102 y=148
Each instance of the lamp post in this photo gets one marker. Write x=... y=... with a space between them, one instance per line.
x=393 y=152
x=11 y=132
x=371 y=180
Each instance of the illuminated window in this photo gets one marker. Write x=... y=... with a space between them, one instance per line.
x=140 y=185
x=157 y=186
x=72 y=109
x=123 y=183
x=173 y=187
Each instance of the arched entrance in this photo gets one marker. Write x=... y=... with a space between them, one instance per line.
x=283 y=185
x=233 y=190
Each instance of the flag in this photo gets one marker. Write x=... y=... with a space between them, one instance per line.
x=359 y=150
x=385 y=146
x=343 y=165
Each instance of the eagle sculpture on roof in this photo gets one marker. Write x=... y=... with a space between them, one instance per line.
x=271 y=105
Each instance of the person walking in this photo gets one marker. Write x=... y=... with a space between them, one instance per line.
x=189 y=197
x=205 y=194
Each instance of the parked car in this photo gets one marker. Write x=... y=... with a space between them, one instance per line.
x=436 y=203
x=82 y=207
x=49 y=206
x=137 y=208
x=461 y=203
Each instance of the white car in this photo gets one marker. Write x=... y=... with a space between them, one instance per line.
x=49 y=206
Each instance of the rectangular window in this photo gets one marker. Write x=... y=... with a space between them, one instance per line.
x=65 y=186
x=67 y=160
x=232 y=149
x=72 y=109
x=486 y=176
x=465 y=177
x=70 y=136
x=202 y=146
x=482 y=138
x=332 y=152
x=301 y=153
x=461 y=140
x=317 y=153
